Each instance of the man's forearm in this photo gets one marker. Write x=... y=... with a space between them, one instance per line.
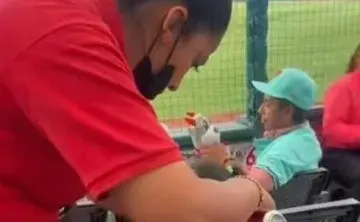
x=182 y=197
x=233 y=200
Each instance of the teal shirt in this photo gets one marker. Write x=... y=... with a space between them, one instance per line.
x=288 y=154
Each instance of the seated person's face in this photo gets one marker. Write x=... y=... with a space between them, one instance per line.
x=273 y=115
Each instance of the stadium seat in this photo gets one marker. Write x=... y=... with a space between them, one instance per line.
x=347 y=210
x=303 y=189
x=86 y=213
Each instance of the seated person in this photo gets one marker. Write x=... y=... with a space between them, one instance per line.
x=289 y=145
x=341 y=129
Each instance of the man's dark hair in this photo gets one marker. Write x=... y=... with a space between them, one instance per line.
x=211 y=170
x=352 y=63
x=215 y=171
x=299 y=115
x=211 y=16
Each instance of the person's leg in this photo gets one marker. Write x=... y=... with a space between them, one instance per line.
x=344 y=167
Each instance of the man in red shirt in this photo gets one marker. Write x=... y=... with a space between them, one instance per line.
x=75 y=121
x=341 y=128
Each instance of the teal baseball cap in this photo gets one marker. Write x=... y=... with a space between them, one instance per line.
x=293 y=85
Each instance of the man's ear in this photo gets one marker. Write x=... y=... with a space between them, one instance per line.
x=173 y=23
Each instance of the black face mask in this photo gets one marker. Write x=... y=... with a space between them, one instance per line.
x=151 y=84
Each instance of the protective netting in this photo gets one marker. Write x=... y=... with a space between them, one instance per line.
x=315 y=35
x=318 y=36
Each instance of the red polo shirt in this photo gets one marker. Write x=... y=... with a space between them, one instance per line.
x=71 y=119
x=341 y=124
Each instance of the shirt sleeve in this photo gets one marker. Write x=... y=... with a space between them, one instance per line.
x=78 y=91
x=337 y=109
x=285 y=158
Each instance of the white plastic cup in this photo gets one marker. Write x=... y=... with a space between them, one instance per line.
x=274 y=216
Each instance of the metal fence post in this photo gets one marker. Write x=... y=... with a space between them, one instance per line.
x=256 y=52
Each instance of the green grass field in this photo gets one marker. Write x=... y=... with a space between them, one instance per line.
x=317 y=36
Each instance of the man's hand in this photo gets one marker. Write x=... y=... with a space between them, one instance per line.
x=217 y=153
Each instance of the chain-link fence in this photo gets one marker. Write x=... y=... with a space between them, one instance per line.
x=318 y=36
x=315 y=35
